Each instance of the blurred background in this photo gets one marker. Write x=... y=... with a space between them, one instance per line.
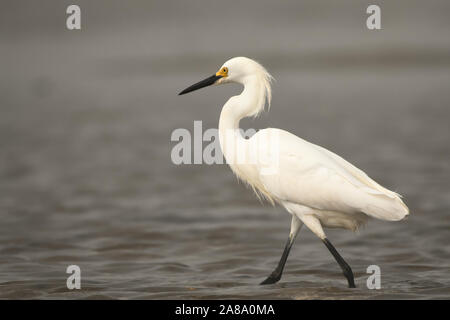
x=86 y=118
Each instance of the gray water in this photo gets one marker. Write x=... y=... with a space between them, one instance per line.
x=86 y=176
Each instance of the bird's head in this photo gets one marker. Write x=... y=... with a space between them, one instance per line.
x=236 y=70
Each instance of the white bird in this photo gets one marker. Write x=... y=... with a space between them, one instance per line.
x=317 y=187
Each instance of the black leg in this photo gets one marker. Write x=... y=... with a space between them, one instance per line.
x=344 y=266
x=275 y=276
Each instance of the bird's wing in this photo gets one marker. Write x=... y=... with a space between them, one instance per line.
x=312 y=176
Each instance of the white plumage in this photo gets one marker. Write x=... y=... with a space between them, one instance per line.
x=310 y=179
x=318 y=187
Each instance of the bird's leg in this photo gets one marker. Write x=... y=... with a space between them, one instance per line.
x=275 y=276
x=344 y=266
x=313 y=223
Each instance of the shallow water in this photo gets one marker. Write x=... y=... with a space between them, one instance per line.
x=86 y=176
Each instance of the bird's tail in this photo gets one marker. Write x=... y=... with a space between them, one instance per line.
x=386 y=207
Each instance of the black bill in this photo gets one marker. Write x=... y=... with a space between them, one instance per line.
x=204 y=83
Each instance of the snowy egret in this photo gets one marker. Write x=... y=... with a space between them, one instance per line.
x=317 y=187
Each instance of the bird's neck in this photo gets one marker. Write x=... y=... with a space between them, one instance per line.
x=237 y=108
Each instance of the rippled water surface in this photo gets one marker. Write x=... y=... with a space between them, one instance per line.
x=86 y=176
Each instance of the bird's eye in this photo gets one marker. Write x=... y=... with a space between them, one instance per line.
x=225 y=70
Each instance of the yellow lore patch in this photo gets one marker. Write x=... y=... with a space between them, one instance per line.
x=223 y=72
